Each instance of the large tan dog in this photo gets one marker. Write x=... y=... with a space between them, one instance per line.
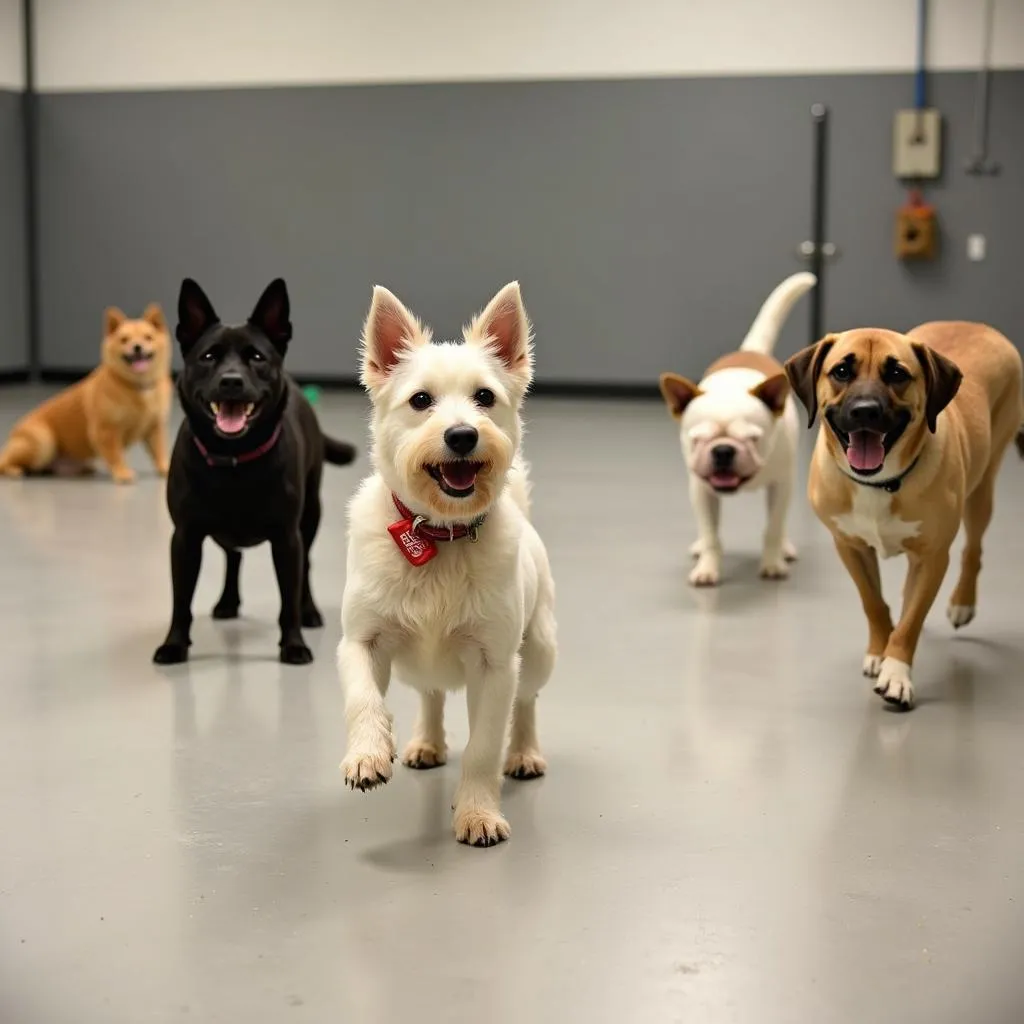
x=913 y=431
x=127 y=398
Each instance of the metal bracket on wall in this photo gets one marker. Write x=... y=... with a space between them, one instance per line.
x=807 y=251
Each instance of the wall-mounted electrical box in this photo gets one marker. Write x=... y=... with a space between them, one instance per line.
x=917 y=231
x=917 y=144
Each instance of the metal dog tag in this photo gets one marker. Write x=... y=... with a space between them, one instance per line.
x=417 y=550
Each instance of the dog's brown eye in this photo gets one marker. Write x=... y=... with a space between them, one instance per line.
x=895 y=374
x=484 y=397
x=420 y=401
x=841 y=373
x=256 y=356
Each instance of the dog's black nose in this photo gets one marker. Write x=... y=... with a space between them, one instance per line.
x=722 y=456
x=462 y=439
x=865 y=414
x=137 y=350
x=231 y=384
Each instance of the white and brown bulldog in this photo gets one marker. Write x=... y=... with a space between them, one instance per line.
x=738 y=428
x=913 y=429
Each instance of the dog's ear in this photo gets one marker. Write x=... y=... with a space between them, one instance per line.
x=154 y=316
x=272 y=315
x=803 y=371
x=195 y=315
x=942 y=379
x=678 y=393
x=504 y=328
x=112 y=319
x=389 y=331
x=773 y=392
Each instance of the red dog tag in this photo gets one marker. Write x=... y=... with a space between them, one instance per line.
x=417 y=550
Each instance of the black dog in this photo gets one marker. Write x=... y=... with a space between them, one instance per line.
x=246 y=465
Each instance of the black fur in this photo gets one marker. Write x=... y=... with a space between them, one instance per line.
x=240 y=500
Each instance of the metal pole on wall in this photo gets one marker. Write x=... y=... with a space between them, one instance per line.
x=29 y=127
x=819 y=122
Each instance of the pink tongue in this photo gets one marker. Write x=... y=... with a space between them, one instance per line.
x=724 y=479
x=140 y=365
x=866 y=451
x=459 y=475
x=230 y=417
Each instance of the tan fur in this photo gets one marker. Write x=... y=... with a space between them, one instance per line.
x=951 y=476
x=106 y=412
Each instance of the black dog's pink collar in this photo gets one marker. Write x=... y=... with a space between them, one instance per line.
x=236 y=460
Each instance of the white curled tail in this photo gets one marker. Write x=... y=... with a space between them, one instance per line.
x=768 y=323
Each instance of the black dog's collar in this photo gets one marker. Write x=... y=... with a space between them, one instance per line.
x=230 y=461
x=892 y=485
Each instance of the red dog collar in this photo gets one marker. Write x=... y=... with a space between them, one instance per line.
x=417 y=539
x=237 y=460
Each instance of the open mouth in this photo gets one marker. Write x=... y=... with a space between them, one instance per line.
x=866 y=449
x=457 y=479
x=726 y=480
x=138 y=362
x=232 y=418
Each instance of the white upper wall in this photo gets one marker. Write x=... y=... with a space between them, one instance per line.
x=161 y=44
x=12 y=70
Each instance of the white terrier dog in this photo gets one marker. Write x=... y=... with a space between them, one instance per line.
x=738 y=429
x=448 y=581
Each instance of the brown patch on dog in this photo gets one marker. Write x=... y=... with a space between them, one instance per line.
x=746 y=361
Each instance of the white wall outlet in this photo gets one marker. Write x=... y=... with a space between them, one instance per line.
x=917 y=144
x=976 y=248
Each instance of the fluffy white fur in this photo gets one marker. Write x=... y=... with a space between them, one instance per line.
x=754 y=415
x=480 y=615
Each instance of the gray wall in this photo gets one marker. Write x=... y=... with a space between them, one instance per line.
x=13 y=302
x=645 y=219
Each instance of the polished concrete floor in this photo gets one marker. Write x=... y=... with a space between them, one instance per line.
x=734 y=828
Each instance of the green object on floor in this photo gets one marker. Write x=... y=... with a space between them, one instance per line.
x=312 y=393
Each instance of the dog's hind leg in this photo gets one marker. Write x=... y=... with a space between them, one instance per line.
x=524 y=759
x=977 y=515
x=230 y=598
x=427 y=748
x=31 y=449
x=311 y=617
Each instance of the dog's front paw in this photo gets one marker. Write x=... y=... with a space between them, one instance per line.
x=773 y=568
x=171 y=654
x=525 y=764
x=423 y=754
x=789 y=552
x=894 y=683
x=296 y=653
x=311 y=618
x=225 y=610
x=960 y=614
x=123 y=476
x=477 y=826
x=872 y=665
x=365 y=771
x=706 y=572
